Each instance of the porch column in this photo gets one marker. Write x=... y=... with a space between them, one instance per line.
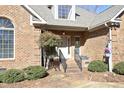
x=110 y=47
x=112 y=26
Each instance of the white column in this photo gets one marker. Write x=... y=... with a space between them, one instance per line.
x=110 y=47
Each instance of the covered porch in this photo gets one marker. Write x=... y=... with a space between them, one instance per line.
x=72 y=38
x=89 y=44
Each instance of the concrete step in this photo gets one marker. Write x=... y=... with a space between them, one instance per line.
x=77 y=69
x=73 y=69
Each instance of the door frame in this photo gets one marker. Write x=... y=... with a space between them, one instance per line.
x=68 y=44
x=80 y=44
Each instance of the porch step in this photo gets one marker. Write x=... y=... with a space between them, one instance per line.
x=73 y=70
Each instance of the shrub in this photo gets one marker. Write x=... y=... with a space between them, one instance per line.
x=97 y=66
x=35 y=72
x=1 y=77
x=12 y=75
x=119 y=68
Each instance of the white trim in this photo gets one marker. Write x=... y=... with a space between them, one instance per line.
x=110 y=47
x=7 y=59
x=31 y=23
x=68 y=45
x=2 y=28
x=113 y=19
x=72 y=13
x=56 y=12
x=14 y=44
x=37 y=22
x=34 y=13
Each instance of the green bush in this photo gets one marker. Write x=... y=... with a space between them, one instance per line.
x=35 y=72
x=12 y=75
x=97 y=66
x=1 y=77
x=119 y=68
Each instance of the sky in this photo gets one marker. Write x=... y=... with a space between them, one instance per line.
x=95 y=8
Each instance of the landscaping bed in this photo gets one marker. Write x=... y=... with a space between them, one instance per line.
x=106 y=77
x=98 y=71
x=17 y=75
x=58 y=79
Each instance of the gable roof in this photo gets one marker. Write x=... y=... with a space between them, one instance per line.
x=106 y=16
x=84 y=18
x=81 y=18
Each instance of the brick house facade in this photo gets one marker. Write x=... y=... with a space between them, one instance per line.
x=27 y=52
x=26 y=49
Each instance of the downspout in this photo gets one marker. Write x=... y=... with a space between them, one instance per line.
x=110 y=47
x=42 y=54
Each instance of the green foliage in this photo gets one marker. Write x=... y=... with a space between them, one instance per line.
x=15 y=75
x=11 y=76
x=119 y=68
x=1 y=77
x=35 y=72
x=97 y=66
x=49 y=39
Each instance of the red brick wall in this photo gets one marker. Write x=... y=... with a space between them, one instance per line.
x=26 y=49
x=26 y=37
x=118 y=42
x=95 y=44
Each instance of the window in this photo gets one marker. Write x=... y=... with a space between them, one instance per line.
x=64 y=11
x=6 y=38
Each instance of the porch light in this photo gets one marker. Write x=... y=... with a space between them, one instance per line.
x=114 y=25
x=63 y=33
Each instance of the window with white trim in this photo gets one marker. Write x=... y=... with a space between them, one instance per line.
x=63 y=11
x=6 y=38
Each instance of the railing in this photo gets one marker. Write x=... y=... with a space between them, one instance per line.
x=78 y=59
x=62 y=60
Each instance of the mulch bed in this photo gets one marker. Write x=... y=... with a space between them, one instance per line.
x=60 y=79
x=105 y=77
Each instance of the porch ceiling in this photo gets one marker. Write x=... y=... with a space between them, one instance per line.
x=67 y=28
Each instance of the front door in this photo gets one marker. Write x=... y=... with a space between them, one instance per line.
x=65 y=47
x=77 y=45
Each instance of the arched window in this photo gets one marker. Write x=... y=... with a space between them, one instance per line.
x=6 y=38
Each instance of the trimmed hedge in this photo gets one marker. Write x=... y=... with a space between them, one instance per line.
x=16 y=75
x=1 y=77
x=35 y=72
x=11 y=76
x=97 y=66
x=119 y=68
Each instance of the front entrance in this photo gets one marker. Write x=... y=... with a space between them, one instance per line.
x=65 y=46
x=77 y=45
